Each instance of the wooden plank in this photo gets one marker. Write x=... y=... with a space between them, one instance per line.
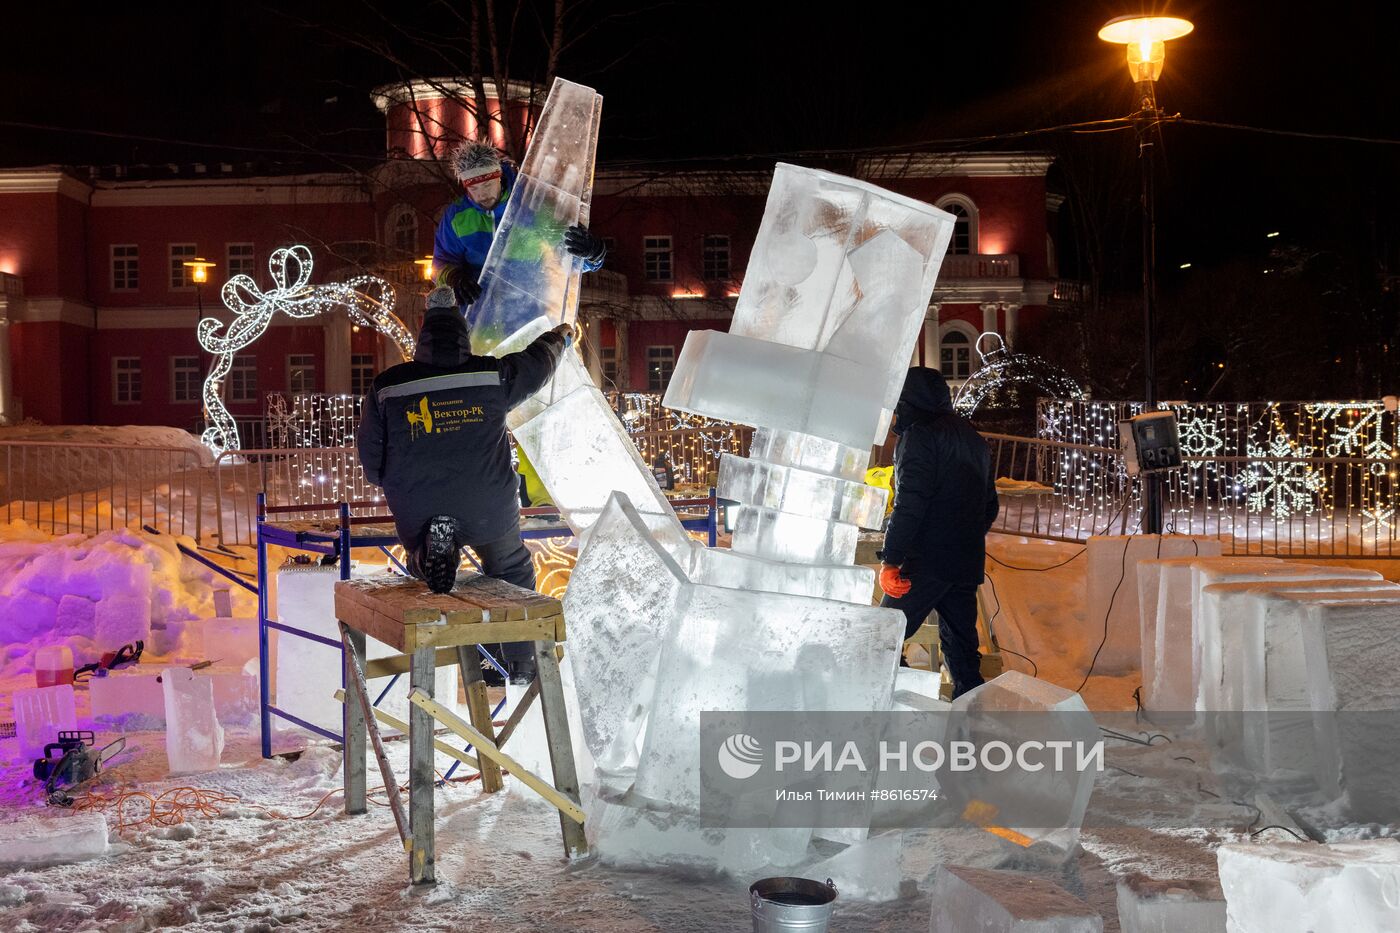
x=422 y=858
x=399 y=663
x=479 y=708
x=561 y=746
x=394 y=634
x=353 y=733
x=402 y=599
x=356 y=676
x=483 y=633
x=394 y=722
x=488 y=749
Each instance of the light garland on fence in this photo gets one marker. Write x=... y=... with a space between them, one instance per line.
x=692 y=444
x=368 y=299
x=1285 y=489
x=1002 y=369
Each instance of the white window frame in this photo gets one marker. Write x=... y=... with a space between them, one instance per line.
x=652 y=247
x=175 y=369
x=361 y=362
x=118 y=370
x=970 y=206
x=292 y=367
x=707 y=249
x=958 y=327
x=187 y=252
x=133 y=277
x=607 y=360
x=250 y=258
x=242 y=364
x=652 y=359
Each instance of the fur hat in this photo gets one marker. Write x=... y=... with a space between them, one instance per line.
x=472 y=159
x=442 y=297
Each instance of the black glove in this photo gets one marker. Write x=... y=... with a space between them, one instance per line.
x=584 y=245
x=462 y=280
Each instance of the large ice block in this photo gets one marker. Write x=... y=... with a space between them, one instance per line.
x=621 y=599
x=52 y=837
x=132 y=698
x=569 y=375
x=1170 y=905
x=1045 y=805
x=739 y=571
x=1351 y=652
x=194 y=740
x=40 y=714
x=797 y=538
x=800 y=492
x=735 y=650
x=843 y=266
x=809 y=452
x=1112 y=589
x=772 y=385
x=867 y=870
x=1346 y=887
x=985 y=900
x=529 y=282
x=583 y=456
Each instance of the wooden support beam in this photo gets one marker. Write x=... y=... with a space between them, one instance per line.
x=356 y=675
x=519 y=712
x=394 y=722
x=488 y=749
x=479 y=708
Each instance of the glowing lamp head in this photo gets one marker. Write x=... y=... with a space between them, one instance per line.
x=199 y=270
x=1146 y=39
x=425 y=266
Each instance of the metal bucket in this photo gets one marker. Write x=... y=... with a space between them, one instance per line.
x=788 y=905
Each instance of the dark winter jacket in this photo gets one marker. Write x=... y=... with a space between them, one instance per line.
x=433 y=431
x=945 y=495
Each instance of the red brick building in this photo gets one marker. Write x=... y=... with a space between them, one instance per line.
x=97 y=311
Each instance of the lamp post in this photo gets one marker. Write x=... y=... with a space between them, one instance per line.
x=199 y=274
x=1145 y=38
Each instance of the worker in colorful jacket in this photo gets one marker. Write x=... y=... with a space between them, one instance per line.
x=469 y=224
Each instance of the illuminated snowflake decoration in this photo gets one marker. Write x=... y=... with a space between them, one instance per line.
x=1200 y=437
x=1349 y=440
x=1379 y=517
x=368 y=299
x=1001 y=369
x=1278 y=486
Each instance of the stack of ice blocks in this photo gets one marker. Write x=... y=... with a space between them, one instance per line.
x=1341 y=888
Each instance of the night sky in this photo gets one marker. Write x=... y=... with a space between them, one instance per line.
x=722 y=79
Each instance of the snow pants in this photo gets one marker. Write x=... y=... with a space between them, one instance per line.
x=956 y=605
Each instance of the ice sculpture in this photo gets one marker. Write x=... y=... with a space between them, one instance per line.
x=529 y=282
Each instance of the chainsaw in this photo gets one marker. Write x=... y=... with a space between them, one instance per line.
x=71 y=762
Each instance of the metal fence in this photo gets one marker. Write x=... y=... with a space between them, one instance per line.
x=288 y=476
x=62 y=488
x=1057 y=490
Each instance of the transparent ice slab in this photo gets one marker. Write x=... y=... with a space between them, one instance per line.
x=784 y=537
x=739 y=571
x=809 y=452
x=1345 y=887
x=800 y=492
x=989 y=901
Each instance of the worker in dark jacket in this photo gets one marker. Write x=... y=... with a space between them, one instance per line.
x=945 y=503
x=433 y=435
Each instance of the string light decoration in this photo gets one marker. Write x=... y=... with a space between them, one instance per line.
x=1002 y=369
x=692 y=444
x=1285 y=489
x=368 y=299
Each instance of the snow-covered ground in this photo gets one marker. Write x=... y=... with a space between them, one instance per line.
x=270 y=847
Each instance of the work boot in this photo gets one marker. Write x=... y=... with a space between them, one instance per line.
x=441 y=555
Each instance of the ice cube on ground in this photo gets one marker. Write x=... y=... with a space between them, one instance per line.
x=40 y=714
x=739 y=571
x=123 y=620
x=51 y=837
x=800 y=492
x=986 y=900
x=1170 y=905
x=809 y=452
x=735 y=650
x=307 y=673
x=1045 y=805
x=622 y=598
x=1351 y=652
x=1112 y=588
x=864 y=871
x=133 y=698
x=1345 y=887
x=781 y=536
x=194 y=740
x=529 y=282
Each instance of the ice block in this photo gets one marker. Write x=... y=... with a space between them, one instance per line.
x=863 y=871
x=40 y=714
x=739 y=571
x=809 y=452
x=123 y=619
x=529 y=282
x=1345 y=887
x=800 y=492
x=796 y=538
x=1170 y=905
x=990 y=901
x=52 y=837
x=194 y=740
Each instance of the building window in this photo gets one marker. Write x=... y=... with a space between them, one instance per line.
x=180 y=253
x=240 y=259
x=403 y=230
x=243 y=379
x=126 y=380
x=607 y=363
x=964 y=242
x=301 y=373
x=361 y=373
x=661 y=362
x=125 y=258
x=715 y=257
x=184 y=379
x=656 y=258
x=955 y=355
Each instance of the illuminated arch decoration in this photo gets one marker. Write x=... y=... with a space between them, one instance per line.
x=1001 y=368
x=368 y=299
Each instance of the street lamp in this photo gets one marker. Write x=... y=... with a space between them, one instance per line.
x=1145 y=39
x=425 y=267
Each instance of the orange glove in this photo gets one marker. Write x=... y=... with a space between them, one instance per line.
x=893 y=582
